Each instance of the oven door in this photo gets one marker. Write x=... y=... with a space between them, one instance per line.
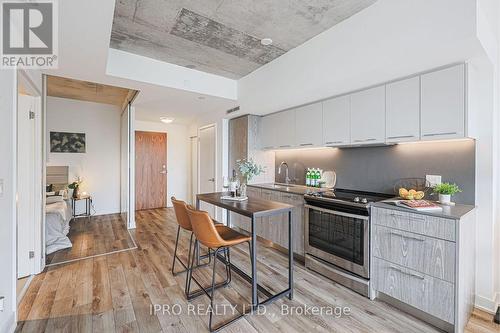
x=339 y=238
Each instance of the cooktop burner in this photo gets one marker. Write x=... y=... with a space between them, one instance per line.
x=359 y=199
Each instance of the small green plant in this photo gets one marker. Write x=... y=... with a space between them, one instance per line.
x=446 y=188
x=75 y=184
x=249 y=169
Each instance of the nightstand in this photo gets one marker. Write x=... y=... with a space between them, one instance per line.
x=88 y=201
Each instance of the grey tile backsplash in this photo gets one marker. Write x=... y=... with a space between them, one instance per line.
x=377 y=169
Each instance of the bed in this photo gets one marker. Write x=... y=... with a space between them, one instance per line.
x=57 y=217
x=57 y=212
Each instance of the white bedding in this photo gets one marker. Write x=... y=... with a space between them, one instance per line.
x=58 y=215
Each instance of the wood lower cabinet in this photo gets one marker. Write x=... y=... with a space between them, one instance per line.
x=275 y=228
x=426 y=262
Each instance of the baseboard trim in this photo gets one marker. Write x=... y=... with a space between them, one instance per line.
x=485 y=304
x=25 y=288
x=10 y=325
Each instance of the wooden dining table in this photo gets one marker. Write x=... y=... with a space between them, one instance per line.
x=254 y=208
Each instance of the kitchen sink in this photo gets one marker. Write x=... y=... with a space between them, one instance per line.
x=278 y=186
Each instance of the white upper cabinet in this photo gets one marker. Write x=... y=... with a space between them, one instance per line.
x=267 y=133
x=368 y=116
x=284 y=129
x=402 y=118
x=308 y=128
x=443 y=104
x=336 y=121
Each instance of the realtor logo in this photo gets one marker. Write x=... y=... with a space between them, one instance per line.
x=29 y=34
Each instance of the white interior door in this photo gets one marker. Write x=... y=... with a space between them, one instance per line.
x=194 y=169
x=207 y=167
x=25 y=186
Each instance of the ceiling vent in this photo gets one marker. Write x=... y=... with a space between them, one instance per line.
x=235 y=109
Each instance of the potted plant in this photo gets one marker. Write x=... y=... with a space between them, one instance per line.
x=248 y=169
x=75 y=187
x=445 y=191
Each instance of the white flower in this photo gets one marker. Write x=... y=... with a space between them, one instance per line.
x=249 y=169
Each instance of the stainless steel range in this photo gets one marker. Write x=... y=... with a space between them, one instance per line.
x=337 y=235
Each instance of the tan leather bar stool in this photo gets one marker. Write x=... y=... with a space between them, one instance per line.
x=220 y=238
x=183 y=222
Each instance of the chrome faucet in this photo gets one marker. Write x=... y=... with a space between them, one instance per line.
x=287 y=179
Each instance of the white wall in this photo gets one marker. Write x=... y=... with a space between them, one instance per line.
x=8 y=104
x=484 y=96
x=221 y=122
x=178 y=156
x=139 y=68
x=388 y=40
x=100 y=165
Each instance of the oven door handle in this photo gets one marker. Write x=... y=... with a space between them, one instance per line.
x=324 y=210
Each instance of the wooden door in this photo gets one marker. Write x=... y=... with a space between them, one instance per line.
x=150 y=170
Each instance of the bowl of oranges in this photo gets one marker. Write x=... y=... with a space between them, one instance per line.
x=412 y=188
x=411 y=194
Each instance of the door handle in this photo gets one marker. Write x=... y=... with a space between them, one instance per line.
x=163 y=171
x=211 y=180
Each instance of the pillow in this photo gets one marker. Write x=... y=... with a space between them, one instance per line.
x=49 y=194
x=54 y=199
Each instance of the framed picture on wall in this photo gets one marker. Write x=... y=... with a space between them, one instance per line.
x=63 y=142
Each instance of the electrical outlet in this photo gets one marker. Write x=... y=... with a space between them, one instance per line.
x=433 y=179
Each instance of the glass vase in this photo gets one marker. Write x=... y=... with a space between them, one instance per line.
x=243 y=190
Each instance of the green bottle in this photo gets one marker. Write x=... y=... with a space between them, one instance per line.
x=308 y=177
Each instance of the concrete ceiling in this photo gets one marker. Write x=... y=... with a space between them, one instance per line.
x=84 y=55
x=223 y=36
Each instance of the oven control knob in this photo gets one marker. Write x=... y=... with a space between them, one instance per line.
x=364 y=200
x=356 y=199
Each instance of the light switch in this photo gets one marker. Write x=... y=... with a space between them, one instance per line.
x=1 y=303
x=433 y=179
x=1 y=188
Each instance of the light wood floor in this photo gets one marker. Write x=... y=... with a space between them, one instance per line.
x=101 y=234
x=115 y=293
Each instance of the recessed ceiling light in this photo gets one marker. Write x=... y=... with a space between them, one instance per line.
x=266 y=41
x=166 y=120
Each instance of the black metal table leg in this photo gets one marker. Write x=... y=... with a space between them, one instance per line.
x=290 y=255
x=254 y=266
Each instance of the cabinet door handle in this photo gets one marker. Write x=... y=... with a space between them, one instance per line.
x=268 y=147
x=437 y=134
x=365 y=140
x=407 y=237
x=401 y=137
x=421 y=277
x=305 y=144
x=285 y=146
x=333 y=142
